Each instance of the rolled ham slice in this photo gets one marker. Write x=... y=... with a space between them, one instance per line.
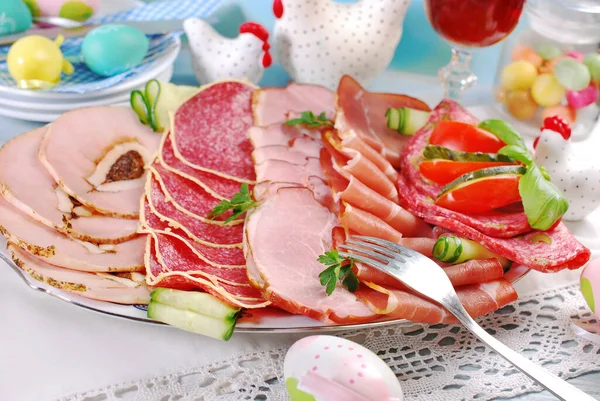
x=60 y=250
x=283 y=238
x=272 y=105
x=106 y=145
x=27 y=185
x=362 y=114
x=129 y=289
x=209 y=130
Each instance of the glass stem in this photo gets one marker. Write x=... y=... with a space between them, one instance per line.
x=457 y=76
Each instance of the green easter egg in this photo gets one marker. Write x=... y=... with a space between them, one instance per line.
x=113 y=49
x=76 y=10
x=291 y=385
x=588 y=293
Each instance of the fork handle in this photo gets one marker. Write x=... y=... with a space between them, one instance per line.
x=557 y=386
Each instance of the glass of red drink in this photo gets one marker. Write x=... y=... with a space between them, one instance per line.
x=468 y=24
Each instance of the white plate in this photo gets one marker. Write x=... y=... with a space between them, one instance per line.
x=60 y=107
x=49 y=112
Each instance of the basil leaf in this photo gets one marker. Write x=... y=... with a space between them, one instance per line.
x=517 y=153
x=504 y=131
x=543 y=203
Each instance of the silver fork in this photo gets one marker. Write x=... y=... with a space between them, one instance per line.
x=427 y=278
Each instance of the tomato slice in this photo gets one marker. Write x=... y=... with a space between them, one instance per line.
x=466 y=137
x=482 y=195
x=442 y=171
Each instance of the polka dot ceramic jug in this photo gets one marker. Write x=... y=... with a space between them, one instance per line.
x=319 y=41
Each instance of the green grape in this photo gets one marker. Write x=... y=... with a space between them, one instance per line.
x=549 y=52
x=572 y=74
x=592 y=62
x=547 y=91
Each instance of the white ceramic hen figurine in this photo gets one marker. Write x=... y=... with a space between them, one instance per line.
x=319 y=41
x=216 y=57
x=578 y=177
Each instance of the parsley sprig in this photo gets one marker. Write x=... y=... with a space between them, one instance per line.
x=308 y=118
x=338 y=268
x=240 y=203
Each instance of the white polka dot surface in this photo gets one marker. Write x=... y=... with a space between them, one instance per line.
x=216 y=57
x=577 y=176
x=318 y=41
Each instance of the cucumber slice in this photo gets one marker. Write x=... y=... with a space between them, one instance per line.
x=455 y=250
x=440 y=152
x=138 y=104
x=197 y=302
x=405 y=120
x=483 y=173
x=221 y=329
x=152 y=91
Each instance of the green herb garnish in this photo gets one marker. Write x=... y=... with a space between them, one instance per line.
x=308 y=118
x=504 y=131
x=338 y=268
x=240 y=203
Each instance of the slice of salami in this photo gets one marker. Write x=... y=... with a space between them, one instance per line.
x=217 y=186
x=210 y=130
x=556 y=251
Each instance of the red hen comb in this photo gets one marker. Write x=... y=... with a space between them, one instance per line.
x=556 y=124
x=260 y=32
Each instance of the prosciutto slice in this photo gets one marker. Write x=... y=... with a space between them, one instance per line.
x=76 y=146
x=272 y=105
x=27 y=185
x=171 y=263
x=284 y=266
x=127 y=288
x=210 y=130
x=60 y=250
x=361 y=113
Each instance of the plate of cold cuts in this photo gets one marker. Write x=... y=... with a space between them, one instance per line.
x=222 y=209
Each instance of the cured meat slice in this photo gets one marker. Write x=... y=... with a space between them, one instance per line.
x=556 y=250
x=97 y=155
x=284 y=237
x=184 y=195
x=478 y=300
x=210 y=130
x=495 y=224
x=319 y=188
x=361 y=113
x=171 y=264
x=99 y=286
x=62 y=251
x=364 y=223
x=200 y=231
x=279 y=134
x=271 y=105
x=217 y=186
x=281 y=171
x=471 y=272
x=27 y=185
x=281 y=153
x=351 y=141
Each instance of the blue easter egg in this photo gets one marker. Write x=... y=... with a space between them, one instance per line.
x=113 y=49
x=14 y=17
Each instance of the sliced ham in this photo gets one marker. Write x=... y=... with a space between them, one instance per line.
x=27 y=185
x=209 y=130
x=121 y=289
x=351 y=141
x=170 y=263
x=319 y=188
x=60 y=250
x=281 y=171
x=365 y=223
x=104 y=145
x=361 y=113
x=478 y=300
x=279 y=134
x=281 y=153
x=217 y=186
x=271 y=105
x=284 y=237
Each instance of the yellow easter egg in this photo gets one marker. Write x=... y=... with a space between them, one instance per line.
x=546 y=91
x=35 y=58
x=519 y=75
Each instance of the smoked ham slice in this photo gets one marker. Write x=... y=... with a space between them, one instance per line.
x=284 y=237
x=209 y=130
x=272 y=105
x=60 y=250
x=362 y=114
x=126 y=288
x=280 y=134
x=107 y=145
x=27 y=185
